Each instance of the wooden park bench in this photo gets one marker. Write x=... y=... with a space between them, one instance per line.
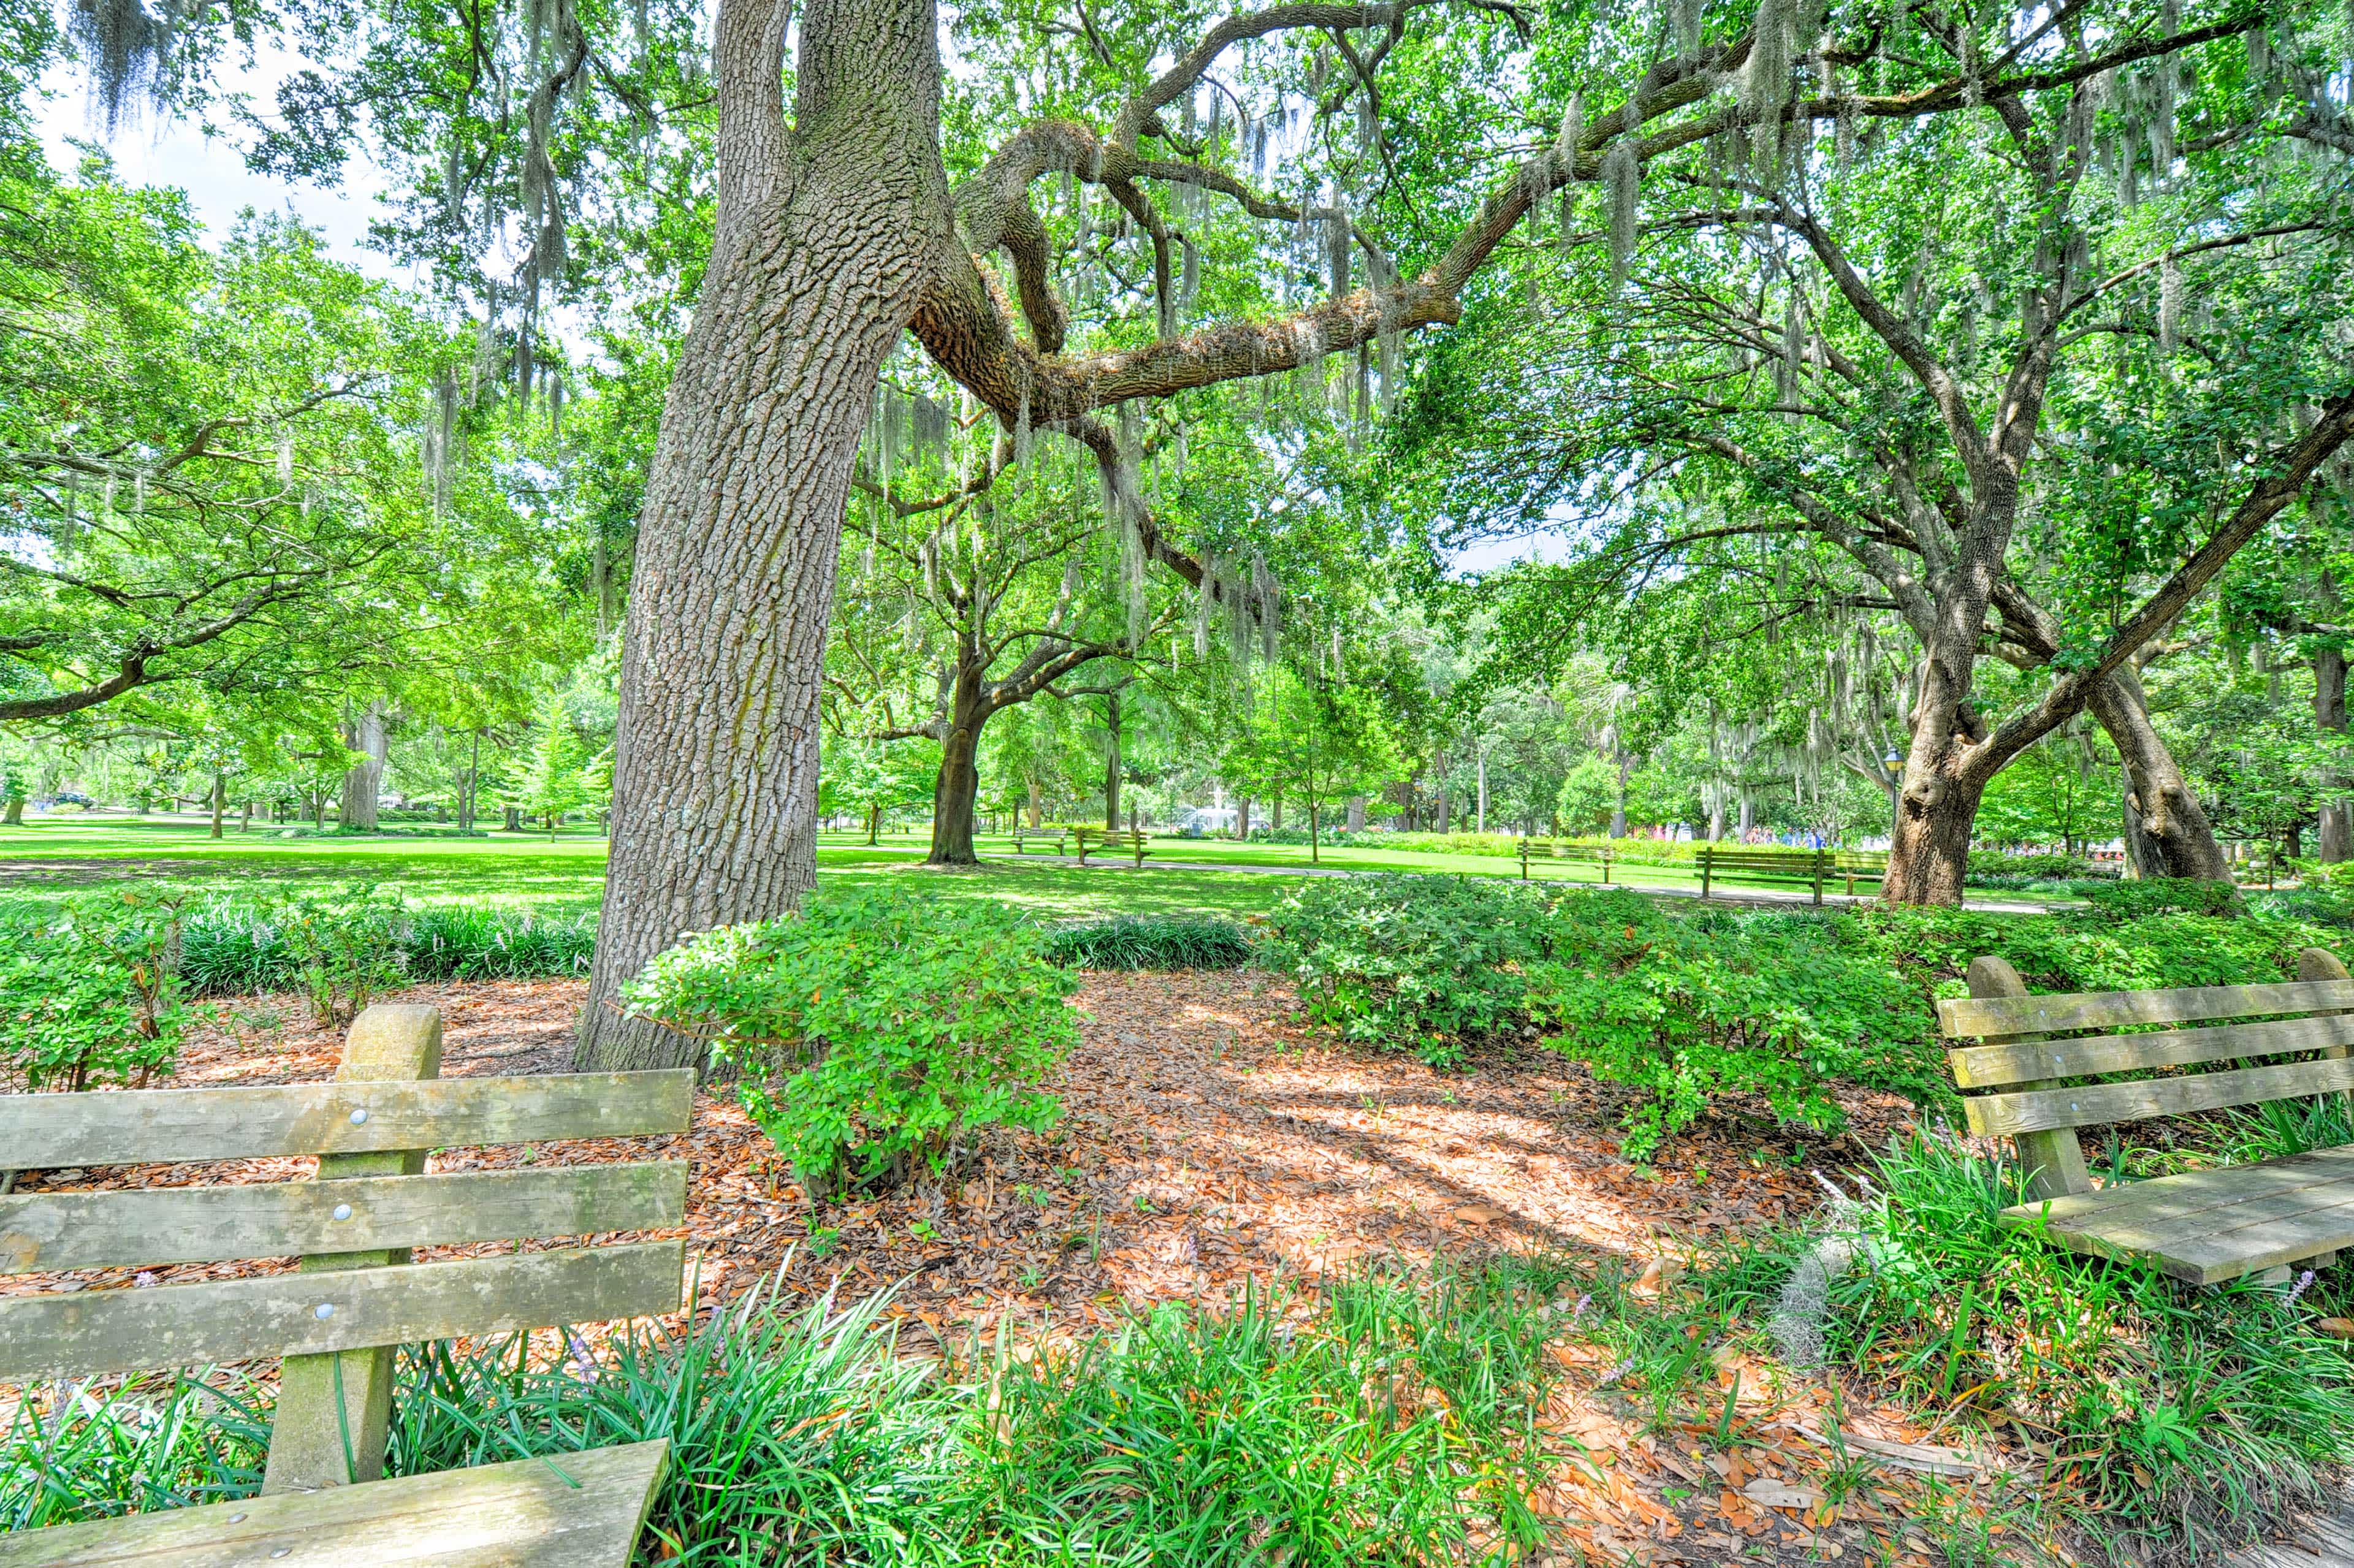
x=2058 y=1062
x=1806 y=866
x=354 y=1296
x=1024 y=838
x=1860 y=866
x=1602 y=856
x=1123 y=839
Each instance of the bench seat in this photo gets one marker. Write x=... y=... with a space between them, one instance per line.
x=2208 y=1226
x=573 y=1509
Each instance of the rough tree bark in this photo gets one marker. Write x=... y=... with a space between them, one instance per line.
x=2169 y=829
x=824 y=237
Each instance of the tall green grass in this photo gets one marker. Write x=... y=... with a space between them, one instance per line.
x=1152 y=942
x=239 y=948
x=1388 y=1422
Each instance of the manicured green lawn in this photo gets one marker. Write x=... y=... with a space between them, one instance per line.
x=50 y=856
x=53 y=855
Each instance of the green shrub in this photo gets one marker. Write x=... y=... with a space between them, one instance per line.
x=2140 y=899
x=1690 y=1008
x=1993 y=868
x=90 y=993
x=1152 y=942
x=1425 y=963
x=875 y=1029
x=345 y=948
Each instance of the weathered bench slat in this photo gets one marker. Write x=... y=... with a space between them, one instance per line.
x=2189 y=1192
x=143 y=1125
x=1993 y=1017
x=1991 y=1066
x=133 y=1330
x=2003 y=1115
x=47 y=1232
x=2246 y=1219
x=523 y=1514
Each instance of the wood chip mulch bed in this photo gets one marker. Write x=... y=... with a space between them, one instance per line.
x=1208 y=1140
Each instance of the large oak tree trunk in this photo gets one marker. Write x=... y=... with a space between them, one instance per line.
x=824 y=237
x=2169 y=833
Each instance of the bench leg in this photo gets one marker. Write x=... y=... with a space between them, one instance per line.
x=334 y=1409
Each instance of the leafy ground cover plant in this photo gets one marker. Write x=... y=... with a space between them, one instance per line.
x=874 y=1029
x=90 y=993
x=1427 y=963
x=1151 y=942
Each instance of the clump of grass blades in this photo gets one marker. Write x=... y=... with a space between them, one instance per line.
x=1394 y=1424
x=235 y=949
x=795 y=1437
x=2185 y=1419
x=1209 y=1437
x=476 y=942
x=1152 y=942
x=91 y=1458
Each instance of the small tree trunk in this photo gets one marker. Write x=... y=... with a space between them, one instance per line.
x=1356 y=818
x=220 y=800
x=1111 y=762
x=874 y=825
x=14 y=816
x=1483 y=792
x=1242 y=817
x=1037 y=814
x=364 y=734
x=2330 y=717
x=2174 y=838
x=514 y=823
x=1314 y=848
x=1275 y=815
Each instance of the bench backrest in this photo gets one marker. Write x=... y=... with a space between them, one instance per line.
x=2035 y=1053
x=356 y=1294
x=1800 y=862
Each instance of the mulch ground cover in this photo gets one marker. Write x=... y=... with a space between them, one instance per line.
x=1209 y=1139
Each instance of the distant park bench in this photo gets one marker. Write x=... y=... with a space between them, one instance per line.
x=1126 y=839
x=1807 y=867
x=2058 y=1064
x=1860 y=866
x=1602 y=856
x=354 y=1296
x=1025 y=838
